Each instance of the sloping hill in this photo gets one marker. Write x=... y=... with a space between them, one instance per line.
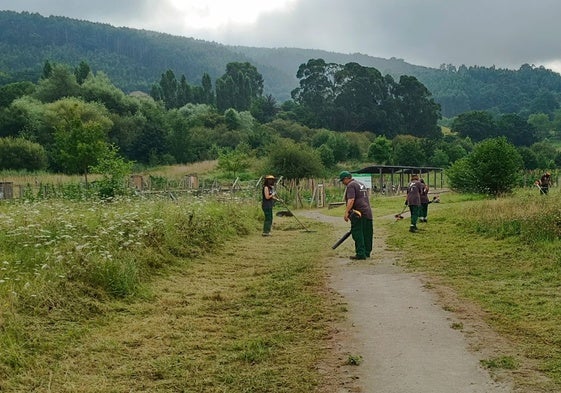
x=135 y=59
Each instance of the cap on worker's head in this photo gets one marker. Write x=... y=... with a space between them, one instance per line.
x=548 y=174
x=345 y=175
x=269 y=177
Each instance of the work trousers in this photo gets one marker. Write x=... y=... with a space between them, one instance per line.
x=268 y=223
x=362 y=232
x=415 y=210
x=424 y=210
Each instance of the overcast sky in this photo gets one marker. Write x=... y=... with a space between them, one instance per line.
x=504 y=33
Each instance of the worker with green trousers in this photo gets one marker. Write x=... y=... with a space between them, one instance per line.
x=362 y=227
x=267 y=202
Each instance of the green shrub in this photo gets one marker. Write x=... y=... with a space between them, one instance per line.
x=19 y=153
x=492 y=168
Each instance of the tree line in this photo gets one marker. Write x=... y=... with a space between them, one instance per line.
x=133 y=59
x=74 y=120
x=528 y=90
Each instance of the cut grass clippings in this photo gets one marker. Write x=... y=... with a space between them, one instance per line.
x=251 y=316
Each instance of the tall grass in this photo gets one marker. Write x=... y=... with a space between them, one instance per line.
x=61 y=260
x=142 y=296
x=528 y=216
x=100 y=241
x=24 y=177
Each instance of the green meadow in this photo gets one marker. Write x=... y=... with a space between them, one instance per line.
x=184 y=295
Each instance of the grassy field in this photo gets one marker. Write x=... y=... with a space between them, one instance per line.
x=159 y=296
x=186 y=296
x=505 y=256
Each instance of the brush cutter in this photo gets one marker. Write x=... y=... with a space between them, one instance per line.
x=340 y=241
x=537 y=183
x=399 y=216
x=292 y=214
x=352 y=215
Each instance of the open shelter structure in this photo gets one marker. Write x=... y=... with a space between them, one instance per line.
x=393 y=179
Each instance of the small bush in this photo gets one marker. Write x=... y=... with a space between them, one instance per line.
x=19 y=153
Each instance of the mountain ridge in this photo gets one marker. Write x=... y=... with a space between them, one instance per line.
x=135 y=59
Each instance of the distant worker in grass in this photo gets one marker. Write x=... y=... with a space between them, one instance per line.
x=269 y=197
x=359 y=213
x=424 y=211
x=544 y=183
x=414 y=200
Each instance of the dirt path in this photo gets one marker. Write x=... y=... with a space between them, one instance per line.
x=408 y=343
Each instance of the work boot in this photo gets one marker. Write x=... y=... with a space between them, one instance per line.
x=412 y=229
x=356 y=257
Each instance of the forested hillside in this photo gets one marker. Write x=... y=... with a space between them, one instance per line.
x=457 y=89
x=135 y=60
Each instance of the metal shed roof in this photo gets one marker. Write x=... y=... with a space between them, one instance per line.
x=383 y=169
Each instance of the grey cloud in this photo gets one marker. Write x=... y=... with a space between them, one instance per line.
x=504 y=33
x=143 y=13
x=429 y=32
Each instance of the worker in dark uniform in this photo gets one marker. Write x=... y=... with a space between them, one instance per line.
x=544 y=183
x=414 y=200
x=359 y=212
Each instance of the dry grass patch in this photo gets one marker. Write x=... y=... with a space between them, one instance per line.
x=178 y=171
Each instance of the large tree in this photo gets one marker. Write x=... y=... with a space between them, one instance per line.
x=380 y=150
x=476 y=125
x=78 y=146
x=238 y=87
x=21 y=154
x=80 y=134
x=360 y=94
x=8 y=93
x=81 y=72
x=407 y=150
x=60 y=83
x=417 y=108
x=316 y=92
x=516 y=129
x=99 y=88
x=357 y=98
